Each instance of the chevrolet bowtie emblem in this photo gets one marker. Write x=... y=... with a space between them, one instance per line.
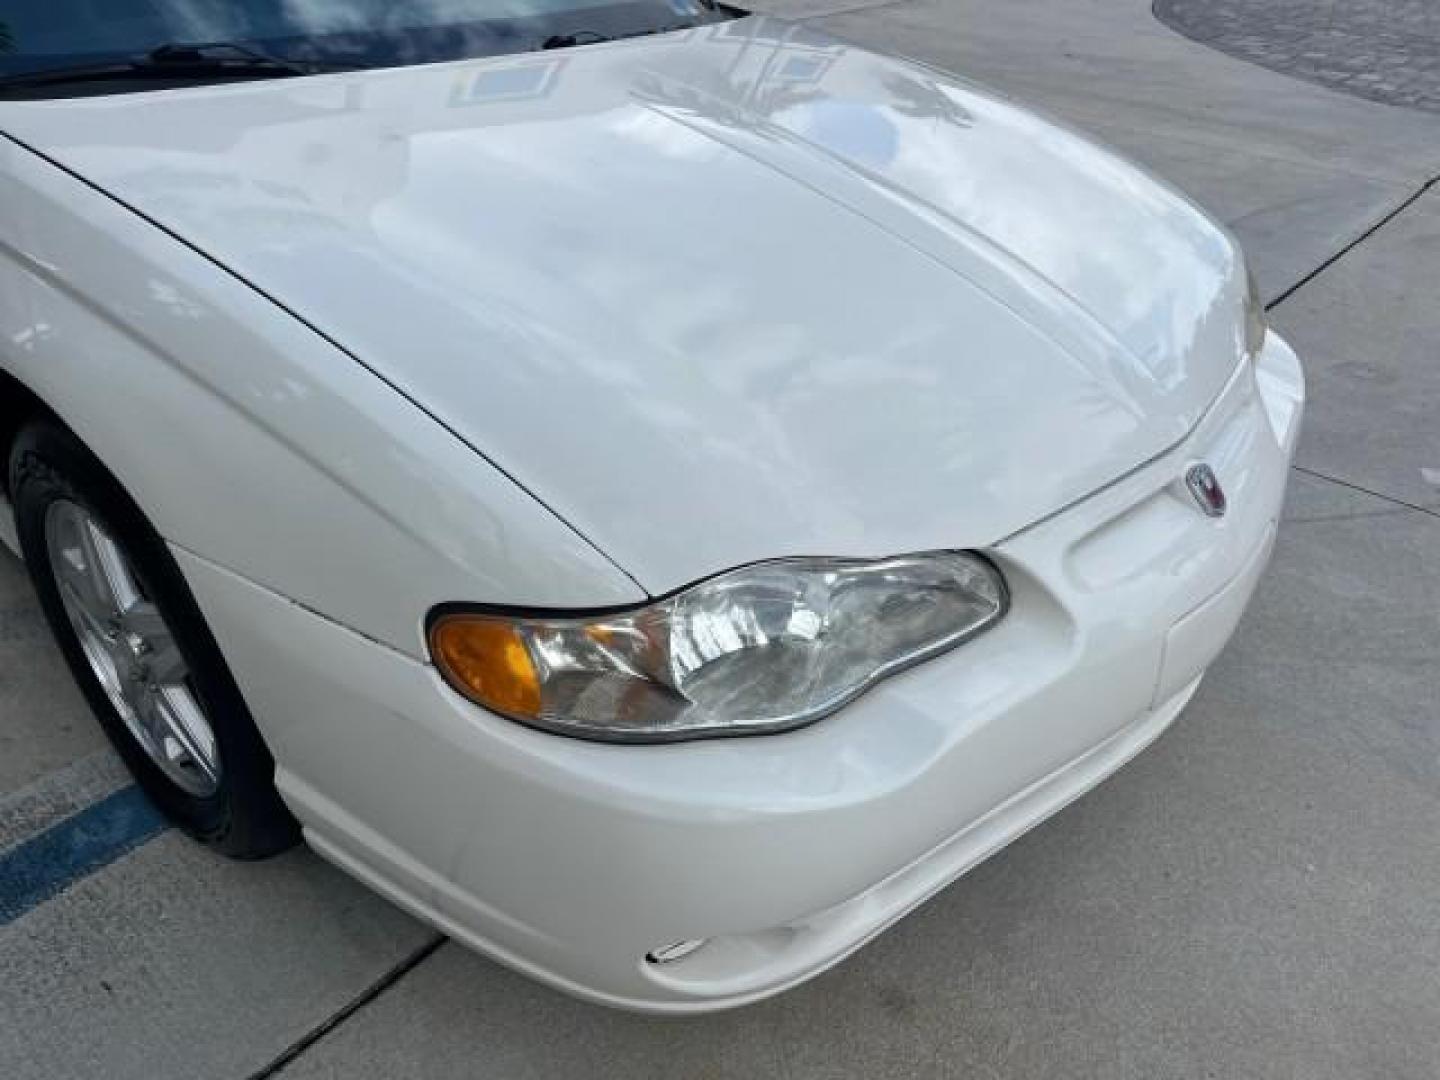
x=1205 y=486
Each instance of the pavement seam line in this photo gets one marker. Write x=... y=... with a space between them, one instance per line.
x=297 y=1049
x=1367 y=491
x=1384 y=220
x=1388 y=217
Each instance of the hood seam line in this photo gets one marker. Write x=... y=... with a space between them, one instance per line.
x=323 y=336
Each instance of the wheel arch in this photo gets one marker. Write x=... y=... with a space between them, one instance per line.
x=19 y=405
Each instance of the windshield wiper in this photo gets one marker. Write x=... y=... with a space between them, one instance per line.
x=181 y=61
x=223 y=54
x=578 y=37
x=594 y=37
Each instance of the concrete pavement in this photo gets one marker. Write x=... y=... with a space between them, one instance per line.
x=1252 y=897
x=46 y=723
x=1369 y=328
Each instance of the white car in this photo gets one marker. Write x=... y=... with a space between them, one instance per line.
x=432 y=426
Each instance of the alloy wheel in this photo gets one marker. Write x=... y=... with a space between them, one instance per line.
x=131 y=649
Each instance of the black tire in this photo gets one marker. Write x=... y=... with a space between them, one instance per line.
x=245 y=817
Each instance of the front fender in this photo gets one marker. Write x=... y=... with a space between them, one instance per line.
x=251 y=440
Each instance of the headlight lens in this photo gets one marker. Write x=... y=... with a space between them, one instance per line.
x=763 y=648
x=1255 y=324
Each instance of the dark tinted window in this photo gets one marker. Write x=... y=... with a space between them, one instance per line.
x=48 y=35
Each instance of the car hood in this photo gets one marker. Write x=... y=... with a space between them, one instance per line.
x=714 y=296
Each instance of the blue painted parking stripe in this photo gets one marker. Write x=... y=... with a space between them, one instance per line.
x=43 y=804
x=47 y=864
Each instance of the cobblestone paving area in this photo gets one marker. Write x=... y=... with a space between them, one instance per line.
x=1384 y=50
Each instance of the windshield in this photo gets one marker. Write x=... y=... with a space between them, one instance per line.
x=50 y=36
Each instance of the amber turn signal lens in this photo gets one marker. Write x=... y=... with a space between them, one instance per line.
x=486 y=660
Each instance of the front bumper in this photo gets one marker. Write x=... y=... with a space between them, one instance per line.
x=572 y=860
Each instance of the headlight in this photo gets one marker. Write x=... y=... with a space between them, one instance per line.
x=764 y=648
x=1255 y=325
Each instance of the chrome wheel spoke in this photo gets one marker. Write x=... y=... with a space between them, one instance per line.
x=82 y=605
x=110 y=585
x=147 y=724
x=85 y=587
x=180 y=738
